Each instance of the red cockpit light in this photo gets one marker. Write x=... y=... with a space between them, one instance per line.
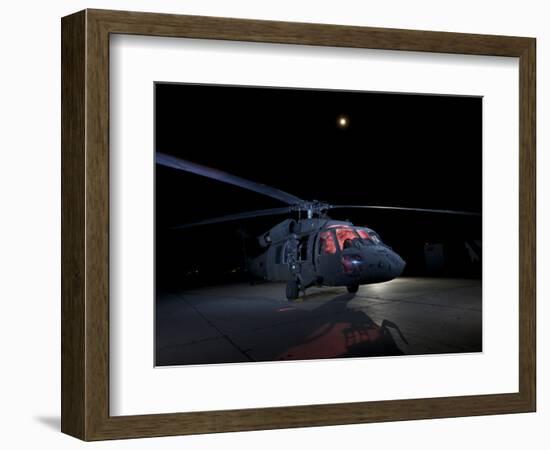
x=328 y=245
x=344 y=234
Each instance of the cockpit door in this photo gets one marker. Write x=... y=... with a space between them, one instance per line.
x=327 y=257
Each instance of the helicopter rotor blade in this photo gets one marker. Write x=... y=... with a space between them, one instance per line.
x=401 y=208
x=237 y=216
x=215 y=174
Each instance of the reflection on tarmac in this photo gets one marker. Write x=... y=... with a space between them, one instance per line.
x=239 y=323
x=344 y=333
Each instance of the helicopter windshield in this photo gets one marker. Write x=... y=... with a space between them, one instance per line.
x=369 y=236
x=345 y=235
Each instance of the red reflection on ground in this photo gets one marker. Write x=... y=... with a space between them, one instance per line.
x=332 y=340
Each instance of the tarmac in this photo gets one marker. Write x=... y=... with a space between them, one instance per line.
x=244 y=323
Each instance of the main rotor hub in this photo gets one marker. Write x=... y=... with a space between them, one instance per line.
x=313 y=208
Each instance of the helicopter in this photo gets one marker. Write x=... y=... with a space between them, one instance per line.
x=314 y=250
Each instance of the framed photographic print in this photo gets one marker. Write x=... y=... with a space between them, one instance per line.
x=272 y=224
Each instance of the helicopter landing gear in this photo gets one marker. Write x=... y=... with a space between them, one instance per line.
x=292 y=290
x=353 y=288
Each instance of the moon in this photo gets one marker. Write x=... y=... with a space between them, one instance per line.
x=342 y=121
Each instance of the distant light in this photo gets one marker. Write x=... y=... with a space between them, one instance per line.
x=342 y=122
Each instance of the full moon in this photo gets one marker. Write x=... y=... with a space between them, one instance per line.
x=343 y=122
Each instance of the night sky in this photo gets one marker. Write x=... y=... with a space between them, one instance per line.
x=395 y=149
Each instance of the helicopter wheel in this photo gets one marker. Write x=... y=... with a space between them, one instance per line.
x=292 y=290
x=353 y=288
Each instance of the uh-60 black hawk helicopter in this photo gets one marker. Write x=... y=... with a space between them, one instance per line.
x=314 y=250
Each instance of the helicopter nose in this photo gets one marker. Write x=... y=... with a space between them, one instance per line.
x=396 y=264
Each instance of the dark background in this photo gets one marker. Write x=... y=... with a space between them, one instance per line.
x=399 y=149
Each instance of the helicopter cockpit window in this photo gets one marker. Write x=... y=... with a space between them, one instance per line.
x=346 y=236
x=327 y=242
x=363 y=233
x=369 y=236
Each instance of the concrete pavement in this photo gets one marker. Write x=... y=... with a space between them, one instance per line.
x=241 y=323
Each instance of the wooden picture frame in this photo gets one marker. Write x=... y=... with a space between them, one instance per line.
x=85 y=224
